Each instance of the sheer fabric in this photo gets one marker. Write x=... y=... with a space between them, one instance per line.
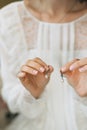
x=22 y=37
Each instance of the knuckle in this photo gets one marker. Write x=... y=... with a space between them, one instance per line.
x=36 y=58
x=24 y=68
x=29 y=61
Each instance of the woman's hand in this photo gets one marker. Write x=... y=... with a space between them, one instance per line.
x=35 y=75
x=76 y=74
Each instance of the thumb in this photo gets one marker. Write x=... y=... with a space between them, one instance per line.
x=21 y=75
x=48 y=73
x=67 y=74
x=51 y=69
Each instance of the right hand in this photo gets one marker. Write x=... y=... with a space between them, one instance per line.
x=33 y=76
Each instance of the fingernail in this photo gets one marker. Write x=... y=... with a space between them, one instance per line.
x=71 y=68
x=21 y=74
x=63 y=69
x=81 y=70
x=42 y=69
x=35 y=72
x=46 y=76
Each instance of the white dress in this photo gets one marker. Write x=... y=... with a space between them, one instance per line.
x=22 y=37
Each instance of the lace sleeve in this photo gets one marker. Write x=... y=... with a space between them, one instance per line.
x=81 y=35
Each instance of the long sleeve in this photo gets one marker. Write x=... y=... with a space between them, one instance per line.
x=21 y=38
x=19 y=100
x=81 y=52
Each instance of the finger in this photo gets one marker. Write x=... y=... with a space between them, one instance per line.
x=83 y=69
x=35 y=66
x=79 y=64
x=41 y=62
x=21 y=75
x=51 y=69
x=67 y=74
x=67 y=66
x=29 y=70
x=48 y=73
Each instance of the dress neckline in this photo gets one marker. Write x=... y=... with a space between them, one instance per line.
x=52 y=23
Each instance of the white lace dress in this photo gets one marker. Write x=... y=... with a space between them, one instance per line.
x=22 y=37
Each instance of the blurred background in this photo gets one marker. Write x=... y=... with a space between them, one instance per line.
x=5 y=116
x=5 y=2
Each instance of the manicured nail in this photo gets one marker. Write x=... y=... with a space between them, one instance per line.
x=63 y=69
x=81 y=70
x=21 y=74
x=42 y=69
x=35 y=72
x=46 y=76
x=71 y=67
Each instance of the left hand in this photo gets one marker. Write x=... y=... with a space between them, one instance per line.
x=76 y=74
